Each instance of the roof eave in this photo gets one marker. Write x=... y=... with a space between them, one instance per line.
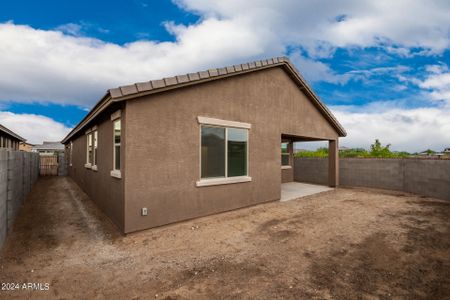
x=117 y=94
x=166 y=84
x=98 y=108
x=305 y=86
x=11 y=133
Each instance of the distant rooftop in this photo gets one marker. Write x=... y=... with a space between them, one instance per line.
x=47 y=145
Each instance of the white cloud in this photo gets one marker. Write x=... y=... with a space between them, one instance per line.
x=314 y=70
x=64 y=67
x=321 y=25
x=406 y=129
x=34 y=128
x=70 y=28
x=80 y=29
x=438 y=83
x=51 y=66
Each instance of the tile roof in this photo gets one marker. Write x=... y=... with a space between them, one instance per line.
x=155 y=86
x=49 y=146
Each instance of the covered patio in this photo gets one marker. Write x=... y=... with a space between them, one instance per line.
x=295 y=190
x=287 y=159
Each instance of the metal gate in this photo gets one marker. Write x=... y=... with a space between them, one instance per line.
x=48 y=165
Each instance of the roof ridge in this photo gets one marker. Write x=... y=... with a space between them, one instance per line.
x=139 y=87
x=153 y=86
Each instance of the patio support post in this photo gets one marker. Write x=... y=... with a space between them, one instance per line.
x=291 y=153
x=333 y=163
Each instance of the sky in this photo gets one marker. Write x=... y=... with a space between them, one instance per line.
x=382 y=67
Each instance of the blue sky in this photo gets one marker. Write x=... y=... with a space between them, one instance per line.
x=117 y=22
x=382 y=67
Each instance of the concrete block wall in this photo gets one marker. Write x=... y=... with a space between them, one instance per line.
x=420 y=176
x=311 y=170
x=428 y=177
x=62 y=164
x=3 y=195
x=375 y=173
x=18 y=172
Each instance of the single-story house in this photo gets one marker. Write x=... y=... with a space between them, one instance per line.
x=446 y=152
x=48 y=148
x=167 y=150
x=25 y=147
x=9 y=139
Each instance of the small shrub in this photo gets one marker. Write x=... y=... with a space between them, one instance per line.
x=377 y=150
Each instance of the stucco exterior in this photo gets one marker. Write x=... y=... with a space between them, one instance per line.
x=162 y=155
x=161 y=142
x=106 y=191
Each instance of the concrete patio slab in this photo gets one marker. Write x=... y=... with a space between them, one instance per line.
x=295 y=190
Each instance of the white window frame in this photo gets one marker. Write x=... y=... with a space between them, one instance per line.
x=70 y=153
x=289 y=165
x=88 y=164
x=94 y=148
x=212 y=122
x=116 y=117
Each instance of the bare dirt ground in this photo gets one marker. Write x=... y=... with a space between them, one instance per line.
x=347 y=243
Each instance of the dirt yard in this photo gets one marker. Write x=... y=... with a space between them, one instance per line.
x=348 y=243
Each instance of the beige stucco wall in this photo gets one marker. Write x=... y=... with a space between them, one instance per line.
x=104 y=190
x=163 y=137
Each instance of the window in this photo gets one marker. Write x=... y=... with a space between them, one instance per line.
x=223 y=152
x=70 y=153
x=285 y=154
x=237 y=152
x=117 y=140
x=213 y=152
x=95 y=142
x=89 y=149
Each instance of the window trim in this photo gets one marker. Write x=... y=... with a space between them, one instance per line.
x=94 y=148
x=116 y=115
x=222 y=123
x=116 y=172
x=70 y=153
x=88 y=163
x=210 y=122
x=289 y=165
x=222 y=180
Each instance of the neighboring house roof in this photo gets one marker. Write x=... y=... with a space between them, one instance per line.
x=446 y=150
x=7 y=131
x=51 y=146
x=156 y=86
